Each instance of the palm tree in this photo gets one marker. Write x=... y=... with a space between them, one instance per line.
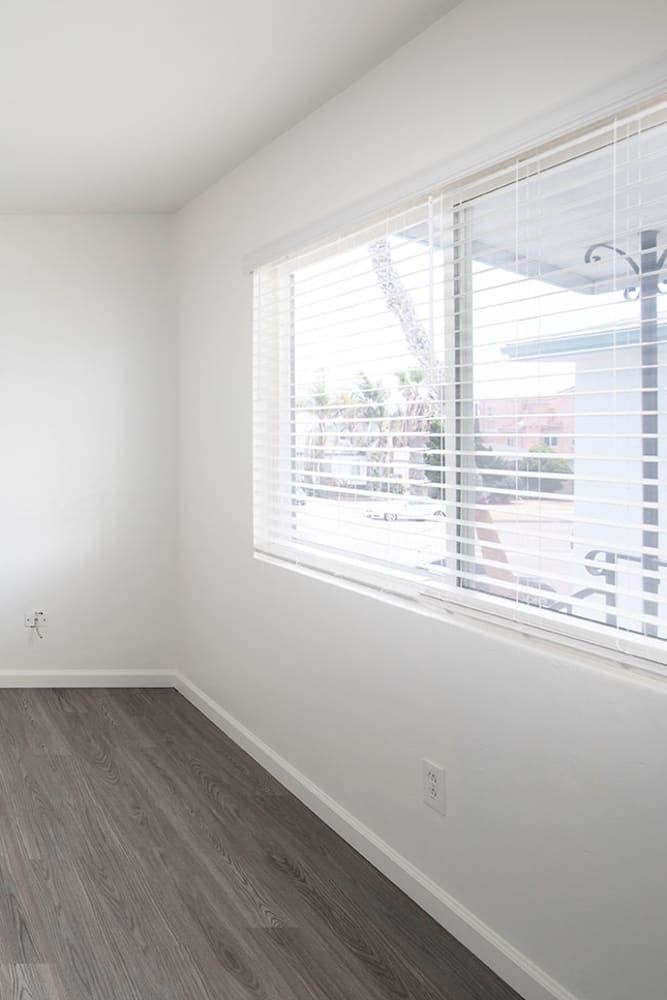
x=374 y=435
x=422 y=386
x=417 y=411
x=399 y=302
x=322 y=412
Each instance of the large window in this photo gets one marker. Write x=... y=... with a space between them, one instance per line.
x=464 y=402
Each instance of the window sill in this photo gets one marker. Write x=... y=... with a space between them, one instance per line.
x=475 y=618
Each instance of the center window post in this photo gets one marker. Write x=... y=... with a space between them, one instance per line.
x=282 y=430
x=466 y=476
x=450 y=390
x=293 y=451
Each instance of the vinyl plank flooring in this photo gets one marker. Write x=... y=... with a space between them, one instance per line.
x=29 y=715
x=226 y=854
x=289 y=846
x=421 y=937
x=28 y=982
x=122 y=726
x=19 y=940
x=310 y=967
x=277 y=862
x=145 y=856
x=32 y=796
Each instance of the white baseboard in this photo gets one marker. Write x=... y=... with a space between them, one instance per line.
x=511 y=965
x=86 y=678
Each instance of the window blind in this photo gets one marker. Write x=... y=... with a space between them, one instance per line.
x=464 y=401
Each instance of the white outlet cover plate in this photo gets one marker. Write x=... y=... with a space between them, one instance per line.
x=433 y=786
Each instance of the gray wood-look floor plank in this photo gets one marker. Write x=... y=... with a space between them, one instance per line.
x=145 y=856
x=27 y=982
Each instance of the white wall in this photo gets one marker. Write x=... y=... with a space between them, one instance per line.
x=556 y=828
x=86 y=443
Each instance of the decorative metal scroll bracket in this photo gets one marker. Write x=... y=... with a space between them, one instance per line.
x=633 y=292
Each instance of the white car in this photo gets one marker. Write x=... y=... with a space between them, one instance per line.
x=414 y=509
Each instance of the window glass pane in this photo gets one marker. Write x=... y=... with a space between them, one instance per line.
x=569 y=348
x=368 y=350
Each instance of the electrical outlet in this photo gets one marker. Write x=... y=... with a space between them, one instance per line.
x=433 y=785
x=36 y=619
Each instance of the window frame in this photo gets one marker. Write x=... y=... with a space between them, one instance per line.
x=556 y=630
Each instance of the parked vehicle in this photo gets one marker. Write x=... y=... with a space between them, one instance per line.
x=414 y=509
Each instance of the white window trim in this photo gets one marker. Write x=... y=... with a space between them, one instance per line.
x=552 y=632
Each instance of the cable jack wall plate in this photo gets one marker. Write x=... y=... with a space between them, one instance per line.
x=36 y=619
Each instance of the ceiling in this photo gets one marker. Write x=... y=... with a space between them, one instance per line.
x=139 y=105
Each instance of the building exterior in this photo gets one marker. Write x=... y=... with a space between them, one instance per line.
x=522 y=423
x=611 y=513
